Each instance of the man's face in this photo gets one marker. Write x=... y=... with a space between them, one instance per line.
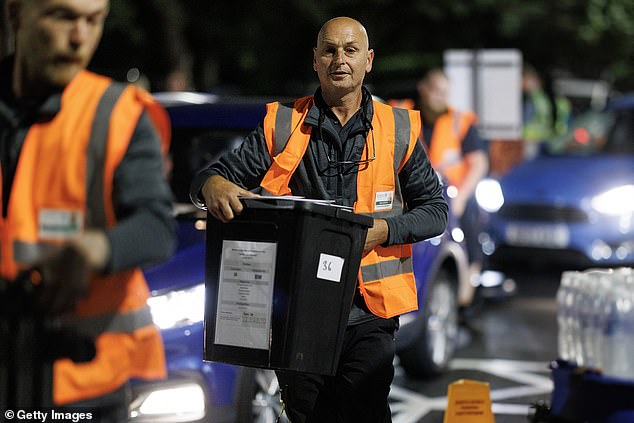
x=56 y=38
x=434 y=93
x=341 y=57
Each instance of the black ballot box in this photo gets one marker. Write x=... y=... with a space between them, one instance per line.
x=280 y=280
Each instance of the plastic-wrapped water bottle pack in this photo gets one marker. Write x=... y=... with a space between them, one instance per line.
x=595 y=314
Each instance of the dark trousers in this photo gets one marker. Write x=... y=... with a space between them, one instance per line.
x=358 y=392
x=471 y=224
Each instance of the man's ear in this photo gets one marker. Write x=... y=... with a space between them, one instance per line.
x=368 y=66
x=315 y=59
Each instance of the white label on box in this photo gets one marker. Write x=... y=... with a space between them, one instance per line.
x=245 y=294
x=383 y=200
x=330 y=267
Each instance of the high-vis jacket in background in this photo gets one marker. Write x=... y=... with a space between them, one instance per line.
x=445 y=147
x=63 y=185
x=386 y=278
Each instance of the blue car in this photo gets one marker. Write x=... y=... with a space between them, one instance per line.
x=572 y=207
x=204 y=127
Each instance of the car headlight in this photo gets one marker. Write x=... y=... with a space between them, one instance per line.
x=178 y=308
x=615 y=202
x=171 y=404
x=489 y=195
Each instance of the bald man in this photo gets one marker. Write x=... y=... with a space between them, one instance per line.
x=364 y=155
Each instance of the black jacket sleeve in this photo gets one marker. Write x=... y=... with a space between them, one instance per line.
x=473 y=141
x=244 y=166
x=145 y=230
x=426 y=214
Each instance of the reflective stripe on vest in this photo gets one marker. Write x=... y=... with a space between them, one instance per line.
x=396 y=133
x=445 y=151
x=27 y=253
x=95 y=214
x=88 y=138
x=386 y=269
x=127 y=322
x=283 y=122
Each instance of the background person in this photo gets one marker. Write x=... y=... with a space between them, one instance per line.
x=544 y=116
x=537 y=113
x=345 y=147
x=460 y=155
x=84 y=200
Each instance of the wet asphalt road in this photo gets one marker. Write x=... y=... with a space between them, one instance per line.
x=508 y=343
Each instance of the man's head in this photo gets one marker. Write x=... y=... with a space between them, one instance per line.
x=342 y=57
x=530 y=79
x=55 y=39
x=433 y=90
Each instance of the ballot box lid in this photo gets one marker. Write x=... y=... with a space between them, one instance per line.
x=322 y=207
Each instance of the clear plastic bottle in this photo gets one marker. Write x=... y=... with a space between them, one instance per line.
x=619 y=329
x=584 y=313
x=600 y=312
x=626 y=282
x=566 y=315
x=577 y=319
x=592 y=322
x=628 y=277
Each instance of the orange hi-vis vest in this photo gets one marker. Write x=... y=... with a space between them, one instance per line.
x=63 y=184
x=386 y=277
x=445 y=147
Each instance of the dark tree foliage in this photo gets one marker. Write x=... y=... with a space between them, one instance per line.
x=265 y=47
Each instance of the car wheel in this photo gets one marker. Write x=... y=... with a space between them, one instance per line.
x=436 y=338
x=259 y=397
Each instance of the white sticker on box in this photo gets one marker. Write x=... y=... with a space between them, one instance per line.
x=330 y=267
x=383 y=200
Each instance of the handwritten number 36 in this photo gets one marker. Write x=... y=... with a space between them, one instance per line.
x=327 y=266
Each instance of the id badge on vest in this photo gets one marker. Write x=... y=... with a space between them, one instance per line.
x=58 y=224
x=383 y=200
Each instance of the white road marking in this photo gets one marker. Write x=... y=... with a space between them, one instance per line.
x=510 y=409
x=533 y=379
x=499 y=365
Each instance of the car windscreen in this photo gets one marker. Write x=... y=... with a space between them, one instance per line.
x=609 y=132
x=193 y=149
